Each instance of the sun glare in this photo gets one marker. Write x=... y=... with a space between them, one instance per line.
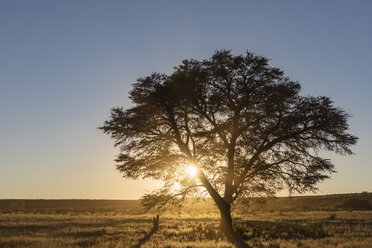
x=191 y=171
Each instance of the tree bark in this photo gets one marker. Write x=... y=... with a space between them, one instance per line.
x=227 y=228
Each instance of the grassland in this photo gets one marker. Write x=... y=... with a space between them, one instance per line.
x=124 y=224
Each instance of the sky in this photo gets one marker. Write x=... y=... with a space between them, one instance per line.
x=64 y=64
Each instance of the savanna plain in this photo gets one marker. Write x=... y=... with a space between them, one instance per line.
x=303 y=222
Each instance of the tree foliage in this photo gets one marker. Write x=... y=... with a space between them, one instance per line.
x=240 y=121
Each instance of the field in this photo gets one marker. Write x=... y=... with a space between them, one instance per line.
x=92 y=223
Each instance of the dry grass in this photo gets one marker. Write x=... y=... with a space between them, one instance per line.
x=186 y=228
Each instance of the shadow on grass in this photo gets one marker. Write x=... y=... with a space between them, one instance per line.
x=148 y=235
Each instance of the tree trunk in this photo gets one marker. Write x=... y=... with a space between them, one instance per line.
x=225 y=211
x=228 y=230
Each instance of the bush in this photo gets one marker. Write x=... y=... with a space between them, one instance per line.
x=357 y=204
x=208 y=232
x=332 y=217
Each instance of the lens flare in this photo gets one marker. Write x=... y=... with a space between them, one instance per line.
x=191 y=171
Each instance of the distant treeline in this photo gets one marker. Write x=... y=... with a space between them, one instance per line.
x=355 y=201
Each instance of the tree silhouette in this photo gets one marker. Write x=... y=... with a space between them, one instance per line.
x=239 y=121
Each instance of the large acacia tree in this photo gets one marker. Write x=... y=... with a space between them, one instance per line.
x=239 y=121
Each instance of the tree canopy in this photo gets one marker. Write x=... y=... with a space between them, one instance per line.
x=241 y=122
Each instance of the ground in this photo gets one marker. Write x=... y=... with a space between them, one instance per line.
x=182 y=228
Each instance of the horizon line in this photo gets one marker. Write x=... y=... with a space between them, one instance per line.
x=102 y=199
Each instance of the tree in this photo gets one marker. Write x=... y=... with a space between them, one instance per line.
x=240 y=122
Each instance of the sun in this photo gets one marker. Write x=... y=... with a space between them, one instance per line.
x=191 y=171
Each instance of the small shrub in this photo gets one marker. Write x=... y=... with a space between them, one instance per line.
x=332 y=217
x=208 y=232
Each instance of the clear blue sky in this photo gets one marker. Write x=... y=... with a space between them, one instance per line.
x=64 y=64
